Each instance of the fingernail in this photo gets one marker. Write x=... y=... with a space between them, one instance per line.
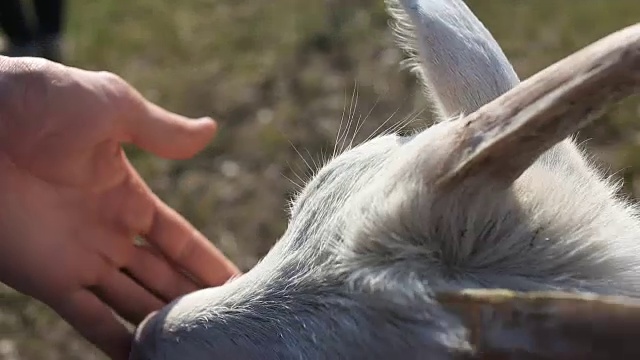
x=208 y=123
x=205 y=121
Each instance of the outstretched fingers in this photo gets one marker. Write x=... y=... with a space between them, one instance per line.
x=95 y=321
x=130 y=300
x=152 y=270
x=185 y=246
x=168 y=135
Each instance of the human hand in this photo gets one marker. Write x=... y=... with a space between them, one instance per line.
x=71 y=203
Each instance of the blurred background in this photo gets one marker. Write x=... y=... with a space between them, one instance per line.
x=278 y=75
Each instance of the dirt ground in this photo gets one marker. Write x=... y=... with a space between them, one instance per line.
x=278 y=75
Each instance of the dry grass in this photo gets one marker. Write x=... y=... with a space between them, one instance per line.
x=278 y=74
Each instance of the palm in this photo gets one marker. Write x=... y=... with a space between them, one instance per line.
x=71 y=198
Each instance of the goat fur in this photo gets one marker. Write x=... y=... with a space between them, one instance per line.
x=370 y=239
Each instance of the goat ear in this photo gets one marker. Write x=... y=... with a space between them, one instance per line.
x=459 y=61
x=503 y=138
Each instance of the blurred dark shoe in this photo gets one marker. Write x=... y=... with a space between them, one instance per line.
x=14 y=50
x=50 y=48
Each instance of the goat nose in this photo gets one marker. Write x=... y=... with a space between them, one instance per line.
x=143 y=346
x=147 y=319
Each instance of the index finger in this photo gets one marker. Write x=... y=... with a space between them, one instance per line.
x=184 y=245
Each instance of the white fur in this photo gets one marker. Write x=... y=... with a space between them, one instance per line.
x=371 y=238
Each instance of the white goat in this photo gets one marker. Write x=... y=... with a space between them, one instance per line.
x=491 y=196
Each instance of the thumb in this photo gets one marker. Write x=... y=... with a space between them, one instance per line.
x=167 y=134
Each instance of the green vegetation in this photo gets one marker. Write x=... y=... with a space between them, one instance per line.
x=277 y=73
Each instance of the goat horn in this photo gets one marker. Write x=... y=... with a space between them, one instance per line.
x=504 y=324
x=504 y=137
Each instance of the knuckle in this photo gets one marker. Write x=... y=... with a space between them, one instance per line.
x=113 y=83
x=110 y=78
x=25 y=82
x=116 y=89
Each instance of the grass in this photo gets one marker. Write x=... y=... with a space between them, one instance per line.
x=275 y=74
